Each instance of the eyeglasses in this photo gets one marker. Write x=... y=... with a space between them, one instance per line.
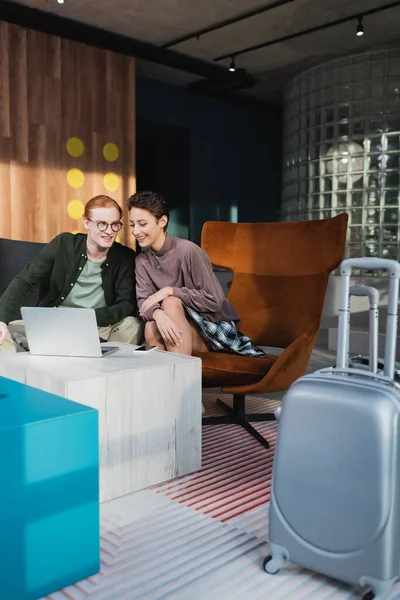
x=103 y=225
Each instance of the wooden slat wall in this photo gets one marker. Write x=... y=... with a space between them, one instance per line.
x=52 y=89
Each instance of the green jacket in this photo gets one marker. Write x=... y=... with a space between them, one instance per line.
x=62 y=260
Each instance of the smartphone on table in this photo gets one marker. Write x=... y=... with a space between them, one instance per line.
x=144 y=348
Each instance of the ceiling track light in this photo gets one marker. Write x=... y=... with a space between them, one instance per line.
x=232 y=66
x=360 y=27
x=292 y=36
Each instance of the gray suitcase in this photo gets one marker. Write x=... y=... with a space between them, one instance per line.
x=372 y=361
x=335 y=495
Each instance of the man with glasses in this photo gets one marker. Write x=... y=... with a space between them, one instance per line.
x=84 y=271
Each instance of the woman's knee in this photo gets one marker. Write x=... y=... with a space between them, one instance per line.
x=172 y=305
x=151 y=332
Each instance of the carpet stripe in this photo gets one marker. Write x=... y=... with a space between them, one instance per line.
x=185 y=557
x=174 y=546
x=208 y=478
x=236 y=469
x=185 y=575
x=228 y=559
x=219 y=483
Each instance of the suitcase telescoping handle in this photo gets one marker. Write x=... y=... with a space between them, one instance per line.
x=371 y=264
x=373 y=297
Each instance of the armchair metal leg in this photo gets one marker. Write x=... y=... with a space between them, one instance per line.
x=237 y=415
x=252 y=431
x=259 y=417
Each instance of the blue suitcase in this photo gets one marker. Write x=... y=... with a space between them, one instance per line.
x=335 y=496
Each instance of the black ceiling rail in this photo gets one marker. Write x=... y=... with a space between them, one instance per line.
x=40 y=20
x=292 y=36
x=226 y=22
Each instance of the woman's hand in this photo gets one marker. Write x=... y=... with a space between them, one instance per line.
x=167 y=327
x=3 y=331
x=156 y=298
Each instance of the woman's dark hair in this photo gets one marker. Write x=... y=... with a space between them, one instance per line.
x=151 y=201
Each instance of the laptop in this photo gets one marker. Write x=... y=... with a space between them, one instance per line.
x=63 y=332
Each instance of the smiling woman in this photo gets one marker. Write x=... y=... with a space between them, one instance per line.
x=179 y=296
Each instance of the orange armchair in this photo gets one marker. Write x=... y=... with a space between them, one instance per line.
x=280 y=277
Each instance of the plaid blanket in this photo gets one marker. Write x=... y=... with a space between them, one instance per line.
x=223 y=336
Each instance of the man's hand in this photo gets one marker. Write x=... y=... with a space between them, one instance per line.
x=157 y=297
x=3 y=331
x=167 y=327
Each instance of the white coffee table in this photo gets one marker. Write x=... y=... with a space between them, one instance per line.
x=149 y=407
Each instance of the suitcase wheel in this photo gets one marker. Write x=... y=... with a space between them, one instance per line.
x=271 y=565
x=369 y=595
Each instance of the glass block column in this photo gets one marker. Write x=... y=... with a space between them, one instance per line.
x=342 y=149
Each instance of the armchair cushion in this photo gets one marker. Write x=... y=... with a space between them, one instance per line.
x=221 y=368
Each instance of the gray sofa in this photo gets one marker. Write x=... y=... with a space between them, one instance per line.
x=14 y=256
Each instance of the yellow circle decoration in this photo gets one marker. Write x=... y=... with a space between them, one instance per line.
x=75 y=178
x=111 y=182
x=118 y=239
x=75 y=209
x=75 y=231
x=110 y=151
x=75 y=147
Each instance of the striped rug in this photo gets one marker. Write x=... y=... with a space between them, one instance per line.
x=203 y=536
x=236 y=470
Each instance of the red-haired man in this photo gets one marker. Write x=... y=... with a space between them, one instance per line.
x=85 y=271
